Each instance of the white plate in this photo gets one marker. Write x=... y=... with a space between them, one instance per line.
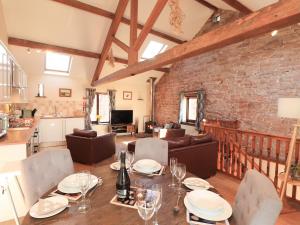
x=195 y=183
x=146 y=166
x=69 y=184
x=40 y=209
x=116 y=165
x=205 y=202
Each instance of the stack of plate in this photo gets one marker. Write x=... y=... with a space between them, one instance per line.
x=147 y=166
x=116 y=165
x=195 y=183
x=48 y=207
x=207 y=205
x=69 y=184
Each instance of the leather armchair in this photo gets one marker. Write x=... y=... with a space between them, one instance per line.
x=90 y=149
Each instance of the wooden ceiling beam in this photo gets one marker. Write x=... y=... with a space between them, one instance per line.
x=207 y=4
x=159 y=6
x=65 y=50
x=238 y=6
x=48 y=47
x=281 y=14
x=121 y=44
x=109 y=37
x=133 y=54
x=101 y=12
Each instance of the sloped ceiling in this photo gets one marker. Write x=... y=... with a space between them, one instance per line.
x=54 y=23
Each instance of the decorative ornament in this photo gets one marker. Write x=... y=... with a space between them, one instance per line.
x=176 y=16
x=111 y=58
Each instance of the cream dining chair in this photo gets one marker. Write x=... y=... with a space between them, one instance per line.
x=256 y=202
x=152 y=148
x=43 y=171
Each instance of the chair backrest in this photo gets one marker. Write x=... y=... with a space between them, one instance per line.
x=152 y=148
x=257 y=201
x=43 y=171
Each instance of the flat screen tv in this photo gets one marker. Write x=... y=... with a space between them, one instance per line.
x=121 y=116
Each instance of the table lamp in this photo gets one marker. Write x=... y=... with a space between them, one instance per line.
x=289 y=108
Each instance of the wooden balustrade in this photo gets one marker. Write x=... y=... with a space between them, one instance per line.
x=241 y=150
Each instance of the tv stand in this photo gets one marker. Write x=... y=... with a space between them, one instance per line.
x=121 y=128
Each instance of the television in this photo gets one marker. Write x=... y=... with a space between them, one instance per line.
x=121 y=116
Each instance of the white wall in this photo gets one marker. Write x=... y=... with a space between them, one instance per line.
x=3 y=31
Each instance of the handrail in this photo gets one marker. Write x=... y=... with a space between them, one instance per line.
x=240 y=150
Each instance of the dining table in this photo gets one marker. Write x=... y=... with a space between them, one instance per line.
x=102 y=212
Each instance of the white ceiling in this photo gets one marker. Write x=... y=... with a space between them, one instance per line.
x=54 y=23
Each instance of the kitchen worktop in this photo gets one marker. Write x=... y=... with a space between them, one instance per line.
x=60 y=117
x=17 y=136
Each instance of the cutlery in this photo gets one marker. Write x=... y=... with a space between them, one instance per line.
x=198 y=185
x=176 y=208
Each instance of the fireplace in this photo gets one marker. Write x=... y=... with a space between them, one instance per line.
x=149 y=127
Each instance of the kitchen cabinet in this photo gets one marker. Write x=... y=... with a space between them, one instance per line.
x=54 y=129
x=51 y=130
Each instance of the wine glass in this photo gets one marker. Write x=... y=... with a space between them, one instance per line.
x=173 y=163
x=157 y=194
x=180 y=173
x=83 y=180
x=146 y=205
x=130 y=158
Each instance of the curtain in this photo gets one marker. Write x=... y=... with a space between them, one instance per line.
x=182 y=108
x=112 y=100
x=200 y=109
x=90 y=95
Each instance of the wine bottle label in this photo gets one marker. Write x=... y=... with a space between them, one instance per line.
x=122 y=194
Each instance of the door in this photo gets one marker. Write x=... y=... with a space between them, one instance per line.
x=51 y=130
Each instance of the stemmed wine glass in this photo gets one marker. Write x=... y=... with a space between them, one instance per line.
x=146 y=205
x=83 y=180
x=157 y=194
x=130 y=158
x=180 y=173
x=173 y=163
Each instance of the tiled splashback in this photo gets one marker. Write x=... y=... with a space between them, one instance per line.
x=47 y=106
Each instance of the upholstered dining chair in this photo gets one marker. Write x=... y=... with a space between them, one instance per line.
x=152 y=148
x=256 y=202
x=43 y=171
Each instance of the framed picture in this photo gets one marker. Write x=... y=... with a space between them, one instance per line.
x=65 y=92
x=127 y=95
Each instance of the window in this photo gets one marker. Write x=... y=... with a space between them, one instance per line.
x=100 y=110
x=153 y=49
x=57 y=64
x=191 y=109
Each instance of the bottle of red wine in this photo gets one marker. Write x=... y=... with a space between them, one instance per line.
x=123 y=181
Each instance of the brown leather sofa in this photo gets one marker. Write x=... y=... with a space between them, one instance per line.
x=88 y=148
x=198 y=153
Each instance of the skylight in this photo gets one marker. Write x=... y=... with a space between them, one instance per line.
x=154 y=48
x=57 y=64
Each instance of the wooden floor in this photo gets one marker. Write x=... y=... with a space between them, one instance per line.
x=225 y=184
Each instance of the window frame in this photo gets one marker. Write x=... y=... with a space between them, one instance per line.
x=58 y=72
x=97 y=94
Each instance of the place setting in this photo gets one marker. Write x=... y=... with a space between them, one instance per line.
x=73 y=191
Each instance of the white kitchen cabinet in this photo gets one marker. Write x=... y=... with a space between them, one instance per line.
x=51 y=130
x=55 y=129
x=71 y=123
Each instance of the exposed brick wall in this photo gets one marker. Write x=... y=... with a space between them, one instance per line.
x=242 y=81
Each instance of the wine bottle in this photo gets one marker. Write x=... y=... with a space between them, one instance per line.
x=123 y=181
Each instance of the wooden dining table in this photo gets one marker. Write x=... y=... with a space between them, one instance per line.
x=102 y=212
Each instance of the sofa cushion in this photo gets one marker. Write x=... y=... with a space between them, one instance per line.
x=179 y=142
x=85 y=133
x=195 y=140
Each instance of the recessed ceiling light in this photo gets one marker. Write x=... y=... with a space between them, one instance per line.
x=274 y=33
x=28 y=50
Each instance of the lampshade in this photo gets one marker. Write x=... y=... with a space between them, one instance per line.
x=289 y=108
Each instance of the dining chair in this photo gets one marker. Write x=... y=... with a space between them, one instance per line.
x=256 y=201
x=43 y=171
x=152 y=148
